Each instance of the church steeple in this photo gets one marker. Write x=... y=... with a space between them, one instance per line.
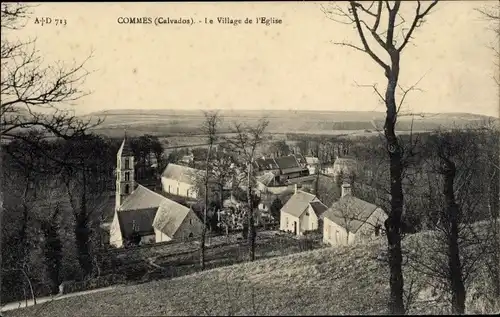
x=125 y=182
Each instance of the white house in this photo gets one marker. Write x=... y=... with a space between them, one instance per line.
x=181 y=180
x=301 y=213
x=351 y=220
x=312 y=164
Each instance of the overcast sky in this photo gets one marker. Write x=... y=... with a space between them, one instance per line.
x=292 y=65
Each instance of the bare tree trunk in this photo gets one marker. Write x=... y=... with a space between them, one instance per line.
x=251 y=224
x=393 y=222
x=31 y=287
x=204 y=231
x=82 y=233
x=454 y=263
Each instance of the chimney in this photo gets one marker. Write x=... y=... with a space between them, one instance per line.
x=295 y=188
x=346 y=189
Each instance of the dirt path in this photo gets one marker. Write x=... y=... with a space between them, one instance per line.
x=41 y=300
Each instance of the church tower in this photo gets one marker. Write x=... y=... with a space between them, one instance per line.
x=125 y=183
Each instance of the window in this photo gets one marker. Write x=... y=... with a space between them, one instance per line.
x=307 y=213
x=190 y=221
x=127 y=189
x=286 y=221
x=329 y=229
x=177 y=190
x=127 y=163
x=127 y=176
x=169 y=188
x=337 y=236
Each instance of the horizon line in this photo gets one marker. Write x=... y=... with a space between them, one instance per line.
x=277 y=110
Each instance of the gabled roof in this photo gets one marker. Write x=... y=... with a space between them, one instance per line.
x=294 y=170
x=142 y=198
x=140 y=221
x=318 y=207
x=266 y=164
x=169 y=217
x=286 y=162
x=312 y=160
x=125 y=148
x=350 y=211
x=183 y=174
x=266 y=178
x=300 y=159
x=298 y=203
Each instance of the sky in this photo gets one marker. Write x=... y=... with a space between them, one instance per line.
x=288 y=66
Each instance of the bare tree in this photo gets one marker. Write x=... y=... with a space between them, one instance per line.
x=368 y=18
x=245 y=143
x=491 y=14
x=456 y=246
x=33 y=95
x=209 y=128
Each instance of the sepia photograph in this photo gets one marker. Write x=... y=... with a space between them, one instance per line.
x=250 y=158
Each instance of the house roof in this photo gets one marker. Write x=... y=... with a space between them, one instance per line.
x=140 y=221
x=350 y=211
x=318 y=207
x=294 y=170
x=183 y=174
x=300 y=159
x=169 y=217
x=312 y=160
x=266 y=178
x=302 y=179
x=266 y=163
x=142 y=198
x=286 y=162
x=298 y=203
x=125 y=148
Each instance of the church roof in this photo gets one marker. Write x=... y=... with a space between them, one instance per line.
x=142 y=198
x=140 y=221
x=183 y=174
x=169 y=217
x=125 y=148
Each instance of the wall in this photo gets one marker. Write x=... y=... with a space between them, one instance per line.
x=191 y=224
x=367 y=230
x=161 y=237
x=115 y=233
x=308 y=223
x=178 y=188
x=291 y=219
x=331 y=237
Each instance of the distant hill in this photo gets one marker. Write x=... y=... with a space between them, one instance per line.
x=174 y=121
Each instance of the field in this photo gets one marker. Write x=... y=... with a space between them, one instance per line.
x=167 y=123
x=328 y=281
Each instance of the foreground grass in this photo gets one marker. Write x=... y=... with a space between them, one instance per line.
x=328 y=281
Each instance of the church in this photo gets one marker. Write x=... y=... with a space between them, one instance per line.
x=142 y=216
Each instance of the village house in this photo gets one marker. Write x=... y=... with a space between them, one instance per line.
x=312 y=164
x=181 y=180
x=302 y=212
x=283 y=168
x=351 y=220
x=142 y=216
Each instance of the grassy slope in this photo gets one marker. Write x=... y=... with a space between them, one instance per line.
x=328 y=281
